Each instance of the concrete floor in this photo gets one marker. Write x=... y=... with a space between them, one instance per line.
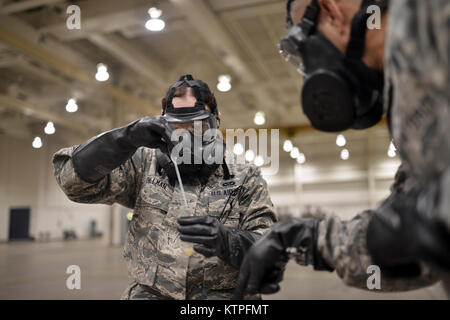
x=38 y=271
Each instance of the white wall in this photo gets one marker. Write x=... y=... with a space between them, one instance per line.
x=342 y=187
x=26 y=180
x=345 y=188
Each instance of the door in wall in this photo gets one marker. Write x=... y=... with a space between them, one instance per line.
x=19 y=223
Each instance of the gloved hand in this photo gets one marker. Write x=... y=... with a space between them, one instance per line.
x=151 y=132
x=214 y=239
x=102 y=154
x=263 y=266
x=405 y=230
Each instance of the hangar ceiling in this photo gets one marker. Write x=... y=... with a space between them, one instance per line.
x=43 y=64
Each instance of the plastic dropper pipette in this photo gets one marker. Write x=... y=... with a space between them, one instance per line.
x=188 y=250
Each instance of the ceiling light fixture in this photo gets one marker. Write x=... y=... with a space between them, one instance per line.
x=224 y=84
x=71 y=106
x=49 y=128
x=288 y=146
x=345 y=154
x=392 y=151
x=249 y=155
x=260 y=118
x=259 y=161
x=102 y=73
x=295 y=153
x=301 y=159
x=154 y=23
x=238 y=149
x=340 y=140
x=37 y=143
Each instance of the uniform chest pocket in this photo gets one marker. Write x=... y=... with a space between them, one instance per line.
x=153 y=201
x=226 y=207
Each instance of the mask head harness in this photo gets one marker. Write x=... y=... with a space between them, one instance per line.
x=340 y=91
x=199 y=88
x=193 y=119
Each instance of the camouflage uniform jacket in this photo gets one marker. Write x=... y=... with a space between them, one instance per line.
x=417 y=58
x=153 y=250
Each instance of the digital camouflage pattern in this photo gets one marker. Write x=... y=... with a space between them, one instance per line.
x=417 y=89
x=153 y=250
x=343 y=246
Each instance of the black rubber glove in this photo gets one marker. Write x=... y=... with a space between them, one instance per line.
x=404 y=231
x=263 y=266
x=214 y=239
x=99 y=156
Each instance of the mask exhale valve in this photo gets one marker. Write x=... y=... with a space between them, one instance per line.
x=340 y=91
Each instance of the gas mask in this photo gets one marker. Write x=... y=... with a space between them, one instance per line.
x=339 y=92
x=197 y=145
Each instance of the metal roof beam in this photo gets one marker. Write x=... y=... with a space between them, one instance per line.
x=106 y=16
x=131 y=57
x=20 y=6
x=39 y=113
x=54 y=58
x=212 y=30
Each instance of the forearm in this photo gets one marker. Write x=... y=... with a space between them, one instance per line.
x=343 y=245
x=118 y=186
x=97 y=157
x=238 y=243
x=71 y=183
x=257 y=219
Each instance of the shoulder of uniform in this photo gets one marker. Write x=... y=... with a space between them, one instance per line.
x=66 y=151
x=144 y=157
x=239 y=169
x=146 y=152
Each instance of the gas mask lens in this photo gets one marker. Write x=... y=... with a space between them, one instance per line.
x=289 y=48
x=206 y=128
x=198 y=127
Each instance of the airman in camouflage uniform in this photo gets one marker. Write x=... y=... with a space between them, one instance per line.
x=153 y=251
x=408 y=235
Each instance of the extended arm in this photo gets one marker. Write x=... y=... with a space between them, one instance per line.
x=106 y=169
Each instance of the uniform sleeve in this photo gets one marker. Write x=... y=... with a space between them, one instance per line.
x=443 y=206
x=417 y=84
x=257 y=212
x=343 y=246
x=120 y=186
